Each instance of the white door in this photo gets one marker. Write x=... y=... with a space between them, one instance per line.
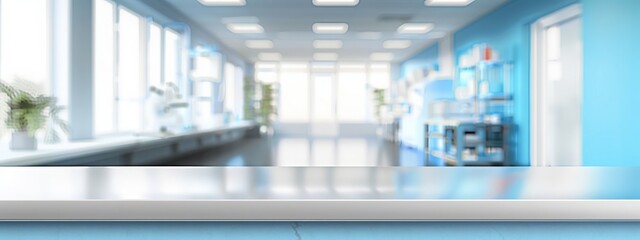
x=557 y=89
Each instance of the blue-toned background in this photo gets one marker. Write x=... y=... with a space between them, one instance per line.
x=611 y=79
x=316 y=230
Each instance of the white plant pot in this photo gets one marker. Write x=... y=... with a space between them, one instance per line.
x=22 y=141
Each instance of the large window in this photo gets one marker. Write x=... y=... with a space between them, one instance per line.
x=172 y=47
x=131 y=84
x=25 y=47
x=239 y=108
x=352 y=93
x=25 y=42
x=206 y=76
x=325 y=91
x=128 y=60
x=233 y=91
x=229 y=87
x=154 y=53
x=323 y=98
x=104 y=67
x=294 y=93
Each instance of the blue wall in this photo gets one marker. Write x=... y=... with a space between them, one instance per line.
x=315 y=230
x=427 y=58
x=611 y=82
x=508 y=30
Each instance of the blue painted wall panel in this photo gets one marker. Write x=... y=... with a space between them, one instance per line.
x=427 y=58
x=611 y=115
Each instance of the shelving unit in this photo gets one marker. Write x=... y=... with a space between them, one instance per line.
x=476 y=127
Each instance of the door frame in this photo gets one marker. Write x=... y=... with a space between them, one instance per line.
x=538 y=77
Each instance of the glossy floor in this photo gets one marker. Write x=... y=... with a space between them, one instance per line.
x=306 y=151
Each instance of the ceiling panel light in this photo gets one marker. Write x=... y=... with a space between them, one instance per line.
x=327 y=44
x=223 y=2
x=381 y=56
x=330 y=28
x=245 y=28
x=448 y=3
x=259 y=44
x=396 y=44
x=325 y=56
x=415 y=28
x=271 y=56
x=335 y=2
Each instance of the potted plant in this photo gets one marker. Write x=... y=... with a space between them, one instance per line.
x=379 y=102
x=55 y=123
x=266 y=109
x=25 y=116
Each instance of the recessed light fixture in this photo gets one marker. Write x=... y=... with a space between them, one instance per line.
x=223 y=2
x=335 y=2
x=270 y=56
x=396 y=44
x=259 y=44
x=327 y=44
x=448 y=3
x=415 y=28
x=325 y=56
x=381 y=56
x=245 y=28
x=330 y=28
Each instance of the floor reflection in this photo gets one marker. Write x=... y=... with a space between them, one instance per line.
x=283 y=151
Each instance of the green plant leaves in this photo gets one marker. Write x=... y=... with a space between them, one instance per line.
x=25 y=110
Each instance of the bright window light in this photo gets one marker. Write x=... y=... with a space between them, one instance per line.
x=335 y=2
x=223 y=2
x=323 y=106
x=245 y=28
x=352 y=66
x=325 y=56
x=415 y=28
x=379 y=66
x=381 y=56
x=294 y=66
x=104 y=67
x=448 y=3
x=270 y=56
x=352 y=94
x=229 y=87
x=323 y=66
x=330 y=28
x=396 y=44
x=259 y=44
x=266 y=65
x=294 y=95
x=327 y=44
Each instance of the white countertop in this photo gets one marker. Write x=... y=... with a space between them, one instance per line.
x=318 y=193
